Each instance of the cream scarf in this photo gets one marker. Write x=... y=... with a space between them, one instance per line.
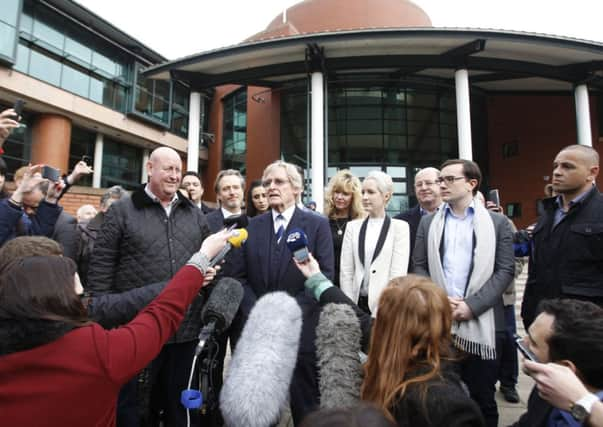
x=478 y=335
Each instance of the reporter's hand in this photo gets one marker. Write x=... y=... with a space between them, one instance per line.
x=210 y=275
x=309 y=267
x=557 y=384
x=214 y=243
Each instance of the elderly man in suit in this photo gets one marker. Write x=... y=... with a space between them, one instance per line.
x=268 y=266
x=468 y=251
x=428 y=195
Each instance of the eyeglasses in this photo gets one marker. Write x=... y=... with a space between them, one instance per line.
x=420 y=184
x=278 y=182
x=449 y=179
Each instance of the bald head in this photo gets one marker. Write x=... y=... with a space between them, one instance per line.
x=586 y=154
x=164 y=169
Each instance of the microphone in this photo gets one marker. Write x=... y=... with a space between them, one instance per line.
x=236 y=221
x=220 y=309
x=234 y=242
x=338 y=353
x=256 y=387
x=297 y=242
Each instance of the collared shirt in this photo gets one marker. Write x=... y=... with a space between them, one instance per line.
x=458 y=250
x=168 y=208
x=373 y=231
x=226 y=213
x=287 y=215
x=560 y=213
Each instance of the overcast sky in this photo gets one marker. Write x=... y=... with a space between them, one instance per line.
x=177 y=28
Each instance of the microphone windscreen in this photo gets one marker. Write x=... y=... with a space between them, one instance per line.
x=338 y=352
x=239 y=221
x=239 y=238
x=297 y=239
x=256 y=387
x=223 y=303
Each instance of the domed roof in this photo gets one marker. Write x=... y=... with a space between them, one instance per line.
x=316 y=16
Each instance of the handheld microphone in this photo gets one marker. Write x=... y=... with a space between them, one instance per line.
x=297 y=242
x=256 y=387
x=236 y=221
x=234 y=242
x=220 y=309
x=338 y=353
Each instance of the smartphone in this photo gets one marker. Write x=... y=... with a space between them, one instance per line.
x=494 y=197
x=523 y=348
x=18 y=107
x=51 y=174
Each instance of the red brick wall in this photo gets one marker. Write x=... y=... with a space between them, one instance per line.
x=541 y=125
x=78 y=196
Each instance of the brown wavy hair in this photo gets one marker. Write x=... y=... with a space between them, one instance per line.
x=409 y=341
x=345 y=182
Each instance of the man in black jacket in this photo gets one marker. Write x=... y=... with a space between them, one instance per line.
x=566 y=260
x=427 y=191
x=145 y=239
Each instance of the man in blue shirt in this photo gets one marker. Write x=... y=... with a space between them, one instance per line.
x=468 y=251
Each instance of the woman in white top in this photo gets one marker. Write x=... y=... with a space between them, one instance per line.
x=375 y=249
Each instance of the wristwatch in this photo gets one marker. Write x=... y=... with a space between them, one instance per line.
x=581 y=409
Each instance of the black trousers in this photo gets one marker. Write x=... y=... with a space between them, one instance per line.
x=480 y=376
x=507 y=352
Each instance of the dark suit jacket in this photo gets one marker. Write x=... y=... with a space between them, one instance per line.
x=490 y=294
x=215 y=221
x=413 y=218
x=537 y=414
x=65 y=232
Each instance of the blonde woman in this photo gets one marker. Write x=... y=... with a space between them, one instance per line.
x=343 y=203
x=375 y=249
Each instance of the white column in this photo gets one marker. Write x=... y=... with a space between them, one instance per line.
x=98 y=160
x=318 y=139
x=144 y=176
x=583 y=115
x=463 y=114
x=194 y=132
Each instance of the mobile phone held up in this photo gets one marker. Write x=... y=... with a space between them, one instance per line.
x=494 y=197
x=18 y=107
x=51 y=174
x=523 y=349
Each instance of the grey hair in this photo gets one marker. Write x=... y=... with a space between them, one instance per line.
x=385 y=184
x=290 y=169
x=115 y=192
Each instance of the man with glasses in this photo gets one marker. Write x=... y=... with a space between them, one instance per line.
x=268 y=266
x=427 y=191
x=468 y=251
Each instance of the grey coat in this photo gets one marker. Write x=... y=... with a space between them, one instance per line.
x=490 y=294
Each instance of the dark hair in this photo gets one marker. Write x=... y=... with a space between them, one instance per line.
x=26 y=246
x=192 y=173
x=41 y=288
x=577 y=336
x=3 y=167
x=250 y=209
x=362 y=415
x=470 y=170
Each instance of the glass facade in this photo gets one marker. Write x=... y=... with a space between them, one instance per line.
x=235 y=131
x=82 y=144
x=56 y=50
x=122 y=165
x=17 y=147
x=392 y=127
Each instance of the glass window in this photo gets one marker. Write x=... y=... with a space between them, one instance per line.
x=82 y=144
x=103 y=64
x=122 y=165
x=22 y=62
x=9 y=14
x=7 y=40
x=17 y=147
x=180 y=102
x=46 y=29
x=77 y=51
x=45 y=68
x=75 y=81
x=234 y=141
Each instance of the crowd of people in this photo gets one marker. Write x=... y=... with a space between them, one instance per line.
x=100 y=313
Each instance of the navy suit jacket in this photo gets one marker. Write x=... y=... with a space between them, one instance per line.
x=231 y=265
x=413 y=218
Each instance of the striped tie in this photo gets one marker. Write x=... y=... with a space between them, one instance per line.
x=281 y=228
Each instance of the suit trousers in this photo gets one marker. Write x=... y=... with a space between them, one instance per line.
x=508 y=369
x=480 y=376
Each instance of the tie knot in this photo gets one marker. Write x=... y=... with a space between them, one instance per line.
x=280 y=217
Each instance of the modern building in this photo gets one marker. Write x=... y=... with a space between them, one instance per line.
x=363 y=84
x=80 y=79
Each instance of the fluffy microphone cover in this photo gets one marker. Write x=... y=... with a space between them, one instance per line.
x=256 y=387
x=338 y=352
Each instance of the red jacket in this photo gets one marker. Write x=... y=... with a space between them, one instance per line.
x=75 y=380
